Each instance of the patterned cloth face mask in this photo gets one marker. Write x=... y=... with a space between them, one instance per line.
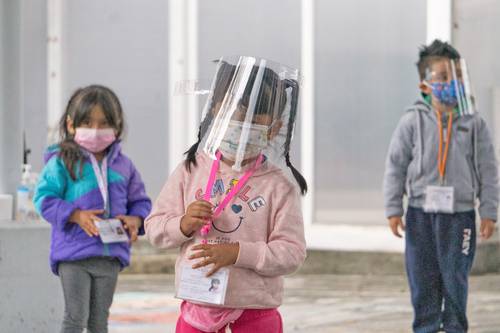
x=446 y=93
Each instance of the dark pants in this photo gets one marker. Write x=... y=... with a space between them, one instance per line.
x=88 y=287
x=439 y=253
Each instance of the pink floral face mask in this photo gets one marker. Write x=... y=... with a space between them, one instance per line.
x=95 y=140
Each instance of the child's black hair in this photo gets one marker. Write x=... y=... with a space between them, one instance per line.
x=429 y=53
x=78 y=109
x=293 y=113
x=267 y=97
x=220 y=87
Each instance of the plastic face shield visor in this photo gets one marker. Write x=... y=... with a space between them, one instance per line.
x=449 y=80
x=249 y=110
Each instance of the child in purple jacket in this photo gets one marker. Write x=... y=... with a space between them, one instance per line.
x=87 y=179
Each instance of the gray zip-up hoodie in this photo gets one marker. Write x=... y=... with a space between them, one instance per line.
x=412 y=164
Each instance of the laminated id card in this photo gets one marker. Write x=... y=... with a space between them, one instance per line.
x=111 y=231
x=439 y=199
x=195 y=286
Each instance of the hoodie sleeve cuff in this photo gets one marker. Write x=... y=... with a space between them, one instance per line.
x=488 y=214
x=393 y=211
x=142 y=213
x=173 y=229
x=248 y=256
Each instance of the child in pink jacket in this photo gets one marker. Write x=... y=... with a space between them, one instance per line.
x=257 y=233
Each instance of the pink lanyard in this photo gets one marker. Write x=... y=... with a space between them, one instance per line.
x=236 y=188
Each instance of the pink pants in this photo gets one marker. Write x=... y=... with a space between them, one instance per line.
x=251 y=321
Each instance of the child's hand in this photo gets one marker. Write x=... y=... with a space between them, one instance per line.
x=132 y=224
x=219 y=255
x=85 y=219
x=487 y=228
x=198 y=214
x=396 y=223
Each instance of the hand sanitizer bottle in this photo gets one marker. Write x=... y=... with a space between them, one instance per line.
x=23 y=200
x=25 y=208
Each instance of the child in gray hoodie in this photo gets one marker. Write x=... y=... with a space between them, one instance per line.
x=442 y=158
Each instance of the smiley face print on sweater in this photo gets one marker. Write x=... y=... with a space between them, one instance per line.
x=244 y=203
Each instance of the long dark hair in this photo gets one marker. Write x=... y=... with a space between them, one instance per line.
x=78 y=109
x=268 y=96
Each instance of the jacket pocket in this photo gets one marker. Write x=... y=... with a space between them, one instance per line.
x=76 y=234
x=411 y=175
x=416 y=182
x=464 y=196
x=463 y=140
x=417 y=191
x=464 y=181
x=69 y=234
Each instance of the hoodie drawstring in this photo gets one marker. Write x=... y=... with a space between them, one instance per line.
x=420 y=142
x=476 y=163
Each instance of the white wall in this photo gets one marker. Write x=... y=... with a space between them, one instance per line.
x=34 y=77
x=365 y=77
x=262 y=28
x=123 y=44
x=10 y=95
x=475 y=35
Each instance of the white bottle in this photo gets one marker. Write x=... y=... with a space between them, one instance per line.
x=25 y=210
x=23 y=195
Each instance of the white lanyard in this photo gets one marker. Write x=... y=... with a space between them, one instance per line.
x=102 y=179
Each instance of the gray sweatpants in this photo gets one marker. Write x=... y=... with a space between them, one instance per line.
x=88 y=287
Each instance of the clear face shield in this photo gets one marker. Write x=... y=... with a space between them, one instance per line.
x=450 y=83
x=250 y=111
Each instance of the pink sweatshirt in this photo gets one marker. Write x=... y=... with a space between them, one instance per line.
x=265 y=218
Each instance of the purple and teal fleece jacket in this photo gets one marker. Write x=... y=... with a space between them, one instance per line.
x=57 y=196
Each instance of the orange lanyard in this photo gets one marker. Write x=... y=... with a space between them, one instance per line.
x=443 y=156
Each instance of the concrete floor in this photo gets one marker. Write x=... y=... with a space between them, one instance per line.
x=313 y=303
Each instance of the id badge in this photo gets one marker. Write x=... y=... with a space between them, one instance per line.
x=439 y=199
x=111 y=231
x=195 y=286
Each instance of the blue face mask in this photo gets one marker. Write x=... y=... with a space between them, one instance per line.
x=446 y=93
